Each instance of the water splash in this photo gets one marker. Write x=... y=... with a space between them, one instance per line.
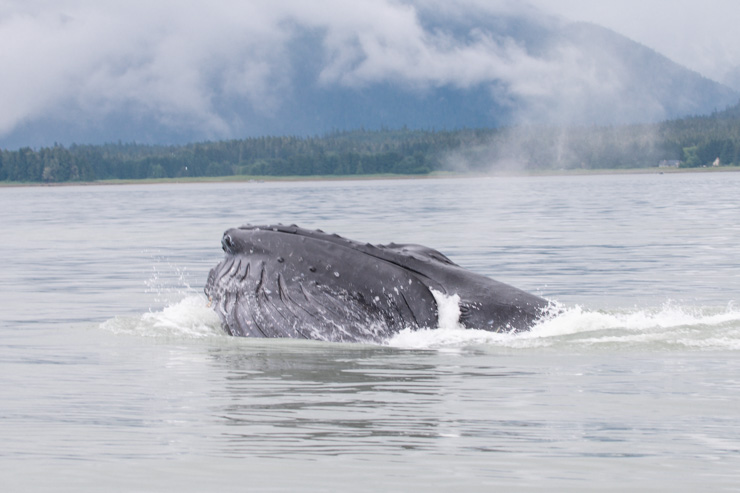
x=185 y=312
x=448 y=311
x=190 y=318
x=168 y=282
x=670 y=327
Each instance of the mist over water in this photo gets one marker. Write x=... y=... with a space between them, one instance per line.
x=116 y=373
x=534 y=147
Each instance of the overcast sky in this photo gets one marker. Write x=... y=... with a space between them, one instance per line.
x=174 y=59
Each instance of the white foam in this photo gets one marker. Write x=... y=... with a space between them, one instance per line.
x=448 y=310
x=670 y=326
x=573 y=328
x=448 y=334
x=190 y=317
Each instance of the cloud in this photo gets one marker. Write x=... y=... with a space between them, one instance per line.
x=187 y=64
x=699 y=35
x=169 y=59
x=174 y=60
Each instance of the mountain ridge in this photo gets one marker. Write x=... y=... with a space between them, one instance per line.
x=548 y=72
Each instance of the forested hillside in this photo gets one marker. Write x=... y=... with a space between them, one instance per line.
x=696 y=141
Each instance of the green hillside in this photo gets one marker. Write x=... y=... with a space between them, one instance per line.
x=694 y=141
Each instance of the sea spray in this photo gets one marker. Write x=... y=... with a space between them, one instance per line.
x=449 y=333
x=448 y=311
x=190 y=318
x=168 y=282
x=670 y=326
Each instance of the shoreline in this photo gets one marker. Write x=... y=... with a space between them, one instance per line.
x=387 y=176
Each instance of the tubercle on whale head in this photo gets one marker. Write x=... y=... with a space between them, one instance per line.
x=230 y=241
x=237 y=241
x=227 y=243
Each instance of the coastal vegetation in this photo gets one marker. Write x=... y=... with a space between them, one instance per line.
x=688 y=142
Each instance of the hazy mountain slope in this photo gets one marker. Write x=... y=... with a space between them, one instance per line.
x=651 y=84
x=467 y=71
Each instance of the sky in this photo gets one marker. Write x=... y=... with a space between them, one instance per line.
x=180 y=62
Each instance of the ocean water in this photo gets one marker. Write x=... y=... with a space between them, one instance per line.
x=115 y=375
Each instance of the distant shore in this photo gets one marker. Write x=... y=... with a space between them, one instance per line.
x=386 y=176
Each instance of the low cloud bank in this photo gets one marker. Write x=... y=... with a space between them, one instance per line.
x=208 y=69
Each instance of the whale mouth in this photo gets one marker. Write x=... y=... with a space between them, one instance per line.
x=283 y=281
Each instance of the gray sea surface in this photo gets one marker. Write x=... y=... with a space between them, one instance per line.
x=116 y=376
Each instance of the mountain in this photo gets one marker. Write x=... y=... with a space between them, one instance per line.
x=462 y=71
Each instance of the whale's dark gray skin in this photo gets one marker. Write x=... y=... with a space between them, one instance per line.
x=286 y=281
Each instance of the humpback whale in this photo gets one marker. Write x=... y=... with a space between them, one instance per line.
x=286 y=281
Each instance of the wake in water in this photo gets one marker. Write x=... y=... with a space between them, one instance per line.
x=670 y=327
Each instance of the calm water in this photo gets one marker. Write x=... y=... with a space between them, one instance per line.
x=114 y=376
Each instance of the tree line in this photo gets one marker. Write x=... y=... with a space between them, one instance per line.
x=342 y=153
x=694 y=141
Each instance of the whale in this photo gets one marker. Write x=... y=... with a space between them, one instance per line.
x=278 y=281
